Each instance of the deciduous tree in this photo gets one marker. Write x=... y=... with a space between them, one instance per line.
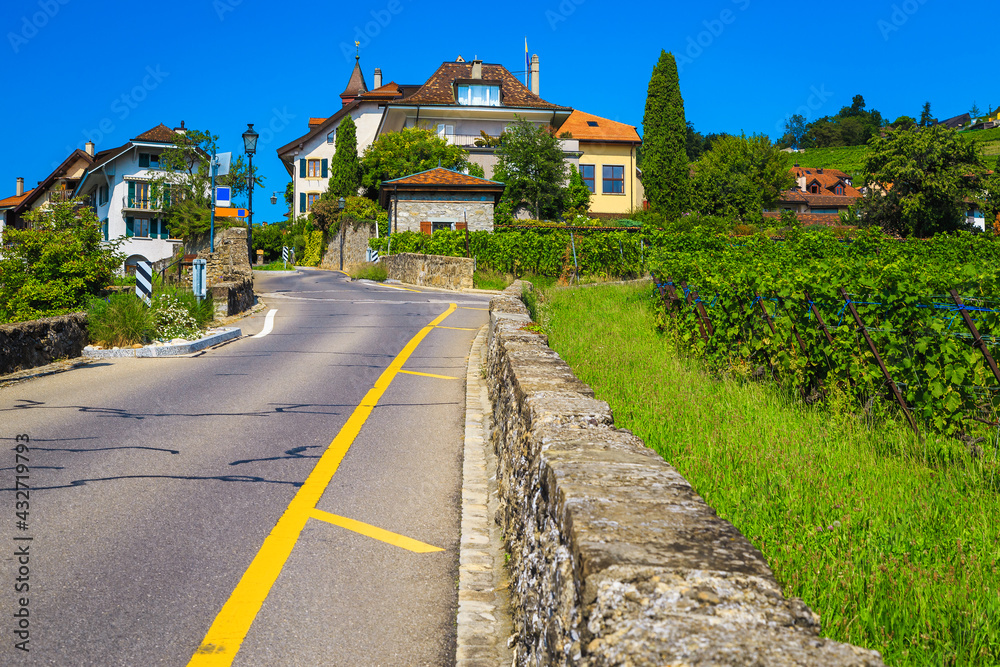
x=530 y=162
x=409 y=151
x=918 y=180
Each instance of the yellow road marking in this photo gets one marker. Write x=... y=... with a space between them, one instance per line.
x=380 y=534
x=405 y=289
x=430 y=375
x=457 y=328
x=230 y=627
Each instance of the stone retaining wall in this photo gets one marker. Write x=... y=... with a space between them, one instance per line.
x=348 y=248
x=615 y=560
x=25 y=345
x=232 y=297
x=430 y=270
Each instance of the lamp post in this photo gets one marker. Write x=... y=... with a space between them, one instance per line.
x=250 y=147
x=274 y=198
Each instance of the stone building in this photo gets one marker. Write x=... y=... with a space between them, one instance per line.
x=440 y=198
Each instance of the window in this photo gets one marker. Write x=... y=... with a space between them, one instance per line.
x=313 y=169
x=814 y=189
x=103 y=194
x=149 y=160
x=311 y=198
x=614 y=179
x=587 y=174
x=840 y=190
x=479 y=95
x=138 y=195
x=441 y=224
x=332 y=137
x=592 y=123
x=445 y=131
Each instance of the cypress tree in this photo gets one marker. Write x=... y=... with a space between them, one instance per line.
x=345 y=169
x=664 y=141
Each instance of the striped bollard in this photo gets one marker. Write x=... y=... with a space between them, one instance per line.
x=143 y=281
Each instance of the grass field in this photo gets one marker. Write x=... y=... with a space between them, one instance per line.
x=893 y=552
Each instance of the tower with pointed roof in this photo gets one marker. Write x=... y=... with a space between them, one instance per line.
x=356 y=86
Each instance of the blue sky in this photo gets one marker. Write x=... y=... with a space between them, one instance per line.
x=79 y=69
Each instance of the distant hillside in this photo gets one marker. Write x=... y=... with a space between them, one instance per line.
x=851 y=159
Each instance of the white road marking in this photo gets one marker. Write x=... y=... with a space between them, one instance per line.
x=268 y=323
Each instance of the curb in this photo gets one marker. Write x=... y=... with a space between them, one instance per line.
x=168 y=350
x=484 y=619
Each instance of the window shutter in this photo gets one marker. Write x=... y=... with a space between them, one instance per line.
x=129 y=226
x=302 y=202
x=302 y=167
x=144 y=159
x=164 y=232
x=323 y=168
x=154 y=228
x=459 y=226
x=131 y=193
x=426 y=227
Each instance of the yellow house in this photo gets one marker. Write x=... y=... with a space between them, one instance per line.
x=607 y=163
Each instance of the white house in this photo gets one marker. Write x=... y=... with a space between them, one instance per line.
x=459 y=101
x=118 y=186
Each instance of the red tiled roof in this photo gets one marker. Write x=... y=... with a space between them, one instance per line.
x=440 y=87
x=829 y=219
x=799 y=172
x=160 y=134
x=14 y=200
x=442 y=176
x=588 y=127
x=388 y=91
x=313 y=122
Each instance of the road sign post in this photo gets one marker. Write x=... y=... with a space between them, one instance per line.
x=144 y=281
x=199 y=278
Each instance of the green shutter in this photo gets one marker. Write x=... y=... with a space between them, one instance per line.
x=302 y=168
x=144 y=159
x=302 y=202
x=129 y=227
x=164 y=230
x=131 y=193
x=323 y=168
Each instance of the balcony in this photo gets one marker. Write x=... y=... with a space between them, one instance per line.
x=471 y=140
x=138 y=203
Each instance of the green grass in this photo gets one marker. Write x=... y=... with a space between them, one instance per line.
x=896 y=553
x=488 y=279
x=370 y=271
x=848 y=159
x=989 y=139
x=276 y=265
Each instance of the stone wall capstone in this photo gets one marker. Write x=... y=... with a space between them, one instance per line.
x=25 y=345
x=430 y=270
x=615 y=559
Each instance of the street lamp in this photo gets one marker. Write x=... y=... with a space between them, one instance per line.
x=274 y=198
x=250 y=147
x=341 y=203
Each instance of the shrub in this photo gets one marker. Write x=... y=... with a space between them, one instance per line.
x=370 y=271
x=119 y=320
x=172 y=319
x=202 y=311
x=314 y=248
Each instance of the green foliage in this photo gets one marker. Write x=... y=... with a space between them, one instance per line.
x=476 y=169
x=362 y=208
x=577 y=194
x=895 y=287
x=926 y=120
x=314 y=249
x=201 y=311
x=370 y=271
x=921 y=177
x=795 y=131
x=740 y=177
x=409 y=151
x=852 y=126
x=894 y=551
x=55 y=266
x=119 y=320
x=171 y=318
x=503 y=214
x=269 y=239
x=531 y=165
x=345 y=169
x=664 y=141
x=489 y=279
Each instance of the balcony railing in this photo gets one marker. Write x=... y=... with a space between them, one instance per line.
x=466 y=140
x=138 y=203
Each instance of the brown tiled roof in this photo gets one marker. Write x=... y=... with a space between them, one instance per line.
x=442 y=176
x=161 y=134
x=440 y=87
x=356 y=84
x=798 y=172
x=389 y=91
x=14 y=200
x=841 y=201
x=103 y=156
x=588 y=127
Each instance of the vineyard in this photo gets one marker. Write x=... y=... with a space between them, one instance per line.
x=910 y=324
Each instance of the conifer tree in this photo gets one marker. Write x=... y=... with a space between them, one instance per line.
x=664 y=155
x=345 y=169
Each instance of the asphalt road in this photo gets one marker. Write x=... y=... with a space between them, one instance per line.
x=180 y=511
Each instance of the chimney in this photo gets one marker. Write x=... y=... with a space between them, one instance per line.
x=181 y=129
x=377 y=82
x=89 y=147
x=20 y=186
x=477 y=69
x=819 y=171
x=796 y=164
x=534 y=74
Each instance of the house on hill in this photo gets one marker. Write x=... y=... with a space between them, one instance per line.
x=57 y=186
x=819 y=196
